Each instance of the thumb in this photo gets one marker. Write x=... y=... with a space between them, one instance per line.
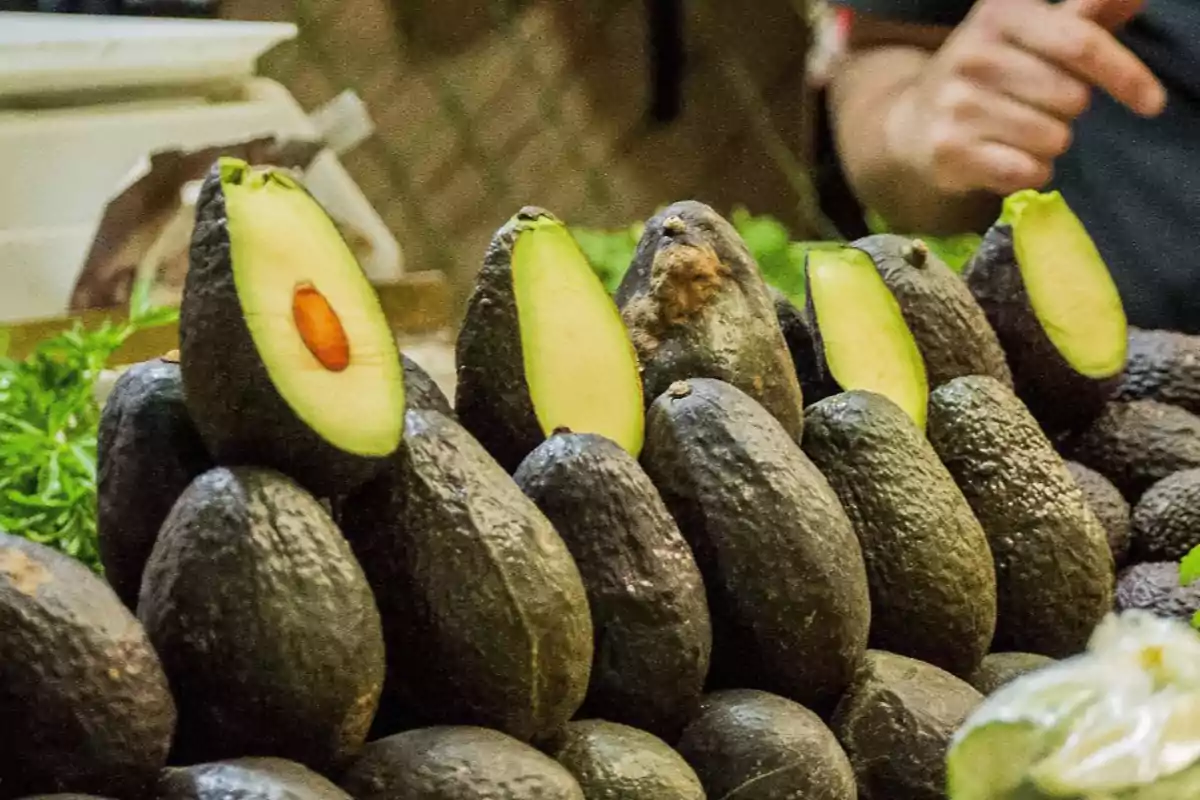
x=1108 y=14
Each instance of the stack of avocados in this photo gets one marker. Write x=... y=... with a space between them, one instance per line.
x=691 y=541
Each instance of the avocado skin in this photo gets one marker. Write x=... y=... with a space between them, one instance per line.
x=951 y=329
x=754 y=745
x=998 y=669
x=616 y=762
x=696 y=306
x=1054 y=571
x=86 y=707
x=1166 y=520
x=246 y=779
x=1137 y=443
x=1109 y=506
x=929 y=565
x=514 y=652
x=793 y=322
x=264 y=621
x=240 y=415
x=422 y=391
x=1059 y=398
x=1163 y=366
x=896 y=722
x=653 y=638
x=1155 y=587
x=786 y=580
x=147 y=452
x=456 y=763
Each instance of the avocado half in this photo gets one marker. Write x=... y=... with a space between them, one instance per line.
x=1054 y=306
x=542 y=346
x=288 y=360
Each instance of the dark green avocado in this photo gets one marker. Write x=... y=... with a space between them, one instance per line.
x=84 y=704
x=696 y=306
x=649 y=612
x=1137 y=443
x=617 y=762
x=1166 y=520
x=147 y=452
x=421 y=391
x=951 y=329
x=246 y=779
x=1054 y=571
x=751 y=745
x=929 y=565
x=786 y=581
x=1109 y=506
x=797 y=335
x=999 y=669
x=264 y=621
x=896 y=722
x=484 y=610
x=1163 y=366
x=1155 y=587
x=457 y=763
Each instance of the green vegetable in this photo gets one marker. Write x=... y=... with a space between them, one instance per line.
x=48 y=431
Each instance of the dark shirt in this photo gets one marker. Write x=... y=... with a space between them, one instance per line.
x=1134 y=182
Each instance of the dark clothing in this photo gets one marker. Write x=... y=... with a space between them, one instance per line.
x=1134 y=182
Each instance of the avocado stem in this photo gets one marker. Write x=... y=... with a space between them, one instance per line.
x=320 y=328
x=917 y=254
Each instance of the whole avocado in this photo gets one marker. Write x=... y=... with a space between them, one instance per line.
x=1166 y=520
x=421 y=391
x=1164 y=366
x=1109 y=506
x=997 y=669
x=246 y=779
x=85 y=706
x=1155 y=587
x=617 y=762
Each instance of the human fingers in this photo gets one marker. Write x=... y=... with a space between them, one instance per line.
x=1108 y=14
x=1014 y=72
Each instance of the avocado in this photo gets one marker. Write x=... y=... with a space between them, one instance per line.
x=697 y=306
x=264 y=621
x=288 y=360
x=485 y=614
x=1054 y=306
x=797 y=335
x=860 y=338
x=457 y=762
x=84 y=704
x=422 y=391
x=1109 y=506
x=896 y=721
x=246 y=779
x=1163 y=366
x=929 y=565
x=542 y=346
x=147 y=452
x=616 y=762
x=1166 y=520
x=1137 y=443
x=949 y=326
x=999 y=669
x=752 y=745
x=1156 y=587
x=784 y=572
x=649 y=612
x=1054 y=571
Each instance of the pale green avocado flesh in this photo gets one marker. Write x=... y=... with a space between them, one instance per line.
x=580 y=366
x=313 y=315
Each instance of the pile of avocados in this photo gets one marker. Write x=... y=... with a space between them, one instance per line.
x=686 y=541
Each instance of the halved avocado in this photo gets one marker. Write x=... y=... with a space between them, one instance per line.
x=288 y=360
x=542 y=346
x=859 y=336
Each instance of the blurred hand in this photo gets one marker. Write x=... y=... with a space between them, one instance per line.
x=994 y=106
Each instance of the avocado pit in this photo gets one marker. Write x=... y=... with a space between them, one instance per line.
x=320 y=328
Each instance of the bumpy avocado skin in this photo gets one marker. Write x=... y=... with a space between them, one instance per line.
x=951 y=329
x=998 y=669
x=650 y=617
x=456 y=763
x=1054 y=571
x=1163 y=366
x=1137 y=443
x=147 y=452
x=929 y=565
x=815 y=383
x=752 y=745
x=246 y=779
x=896 y=721
x=1166 y=521
x=422 y=391
x=239 y=413
x=84 y=704
x=485 y=613
x=696 y=306
x=1155 y=587
x=1059 y=398
x=264 y=621
x=616 y=762
x=786 y=580
x=1109 y=506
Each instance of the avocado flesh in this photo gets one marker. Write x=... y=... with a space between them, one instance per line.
x=866 y=342
x=579 y=363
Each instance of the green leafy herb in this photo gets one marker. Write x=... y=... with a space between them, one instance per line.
x=609 y=252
